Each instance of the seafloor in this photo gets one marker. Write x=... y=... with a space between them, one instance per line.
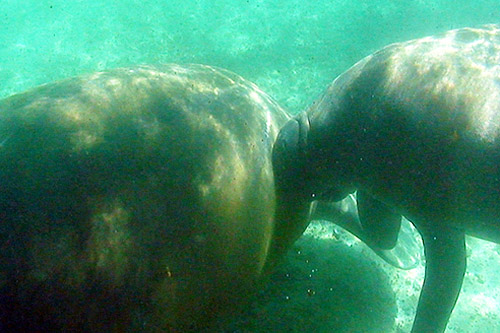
x=331 y=282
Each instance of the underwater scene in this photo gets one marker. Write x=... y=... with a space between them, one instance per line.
x=328 y=280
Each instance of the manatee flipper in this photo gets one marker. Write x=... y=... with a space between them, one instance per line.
x=444 y=273
x=379 y=222
x=404 y=255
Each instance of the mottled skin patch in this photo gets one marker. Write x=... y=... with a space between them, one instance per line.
x=414 y=128
x=135 y=199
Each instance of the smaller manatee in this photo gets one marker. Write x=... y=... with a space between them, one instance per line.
x=415 y=129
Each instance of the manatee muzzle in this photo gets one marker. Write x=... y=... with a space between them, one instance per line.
x=289 y=157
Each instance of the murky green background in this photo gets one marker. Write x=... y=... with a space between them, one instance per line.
x=292 y=49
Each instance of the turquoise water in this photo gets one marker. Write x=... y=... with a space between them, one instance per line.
x=292 y=50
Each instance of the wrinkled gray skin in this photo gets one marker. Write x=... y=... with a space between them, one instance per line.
x=414 y=128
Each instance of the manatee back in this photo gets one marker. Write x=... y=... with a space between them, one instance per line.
x=424 y=112
x=134 y=198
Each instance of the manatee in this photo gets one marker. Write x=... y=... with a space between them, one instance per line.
x=138 y=198
x=414 y=129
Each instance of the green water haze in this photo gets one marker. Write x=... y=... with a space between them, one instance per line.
x=292 y=49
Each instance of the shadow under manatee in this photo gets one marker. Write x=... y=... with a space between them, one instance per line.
x=322 y=285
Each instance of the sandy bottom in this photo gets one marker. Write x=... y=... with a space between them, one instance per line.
x=331 y=282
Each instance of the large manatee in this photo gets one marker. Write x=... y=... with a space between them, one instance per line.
x=415 y=129
x=138 y=198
